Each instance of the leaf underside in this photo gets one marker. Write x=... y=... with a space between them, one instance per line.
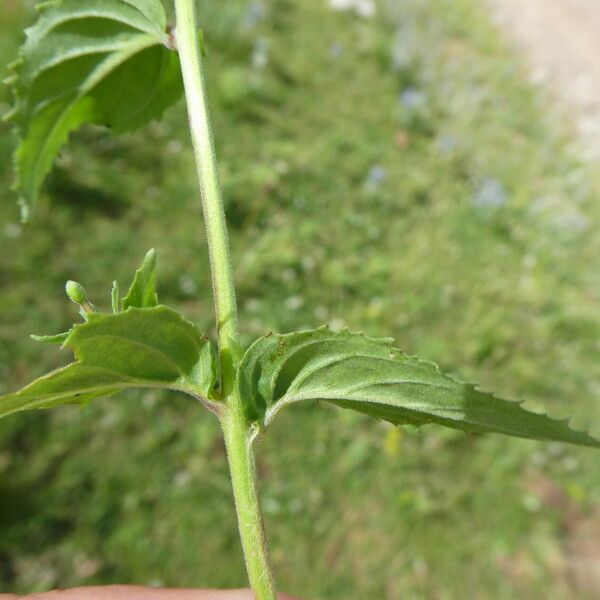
x=140 y=347
x=370 y=376
x=104 y=62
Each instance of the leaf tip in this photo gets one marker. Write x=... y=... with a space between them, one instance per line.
x=150 y=258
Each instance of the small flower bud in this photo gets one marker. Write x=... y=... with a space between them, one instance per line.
x=76 y=292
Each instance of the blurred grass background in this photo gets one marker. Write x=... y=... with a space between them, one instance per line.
x=391 y=172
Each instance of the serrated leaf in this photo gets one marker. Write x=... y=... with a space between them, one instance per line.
x=370 y=376
x=104 y=62
x=142 y=292
x=149 y=347
x=57 y=338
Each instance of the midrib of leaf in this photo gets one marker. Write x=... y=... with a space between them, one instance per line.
x=42 y=28
x=94 y=47
x=121 y=382
x=112 y=61
x=358 y=388
x=124 y=383
x=442 y=412
x=327 y=362
x=412 y=409
x=298 y=382
x=117 y=385
x=344 y=395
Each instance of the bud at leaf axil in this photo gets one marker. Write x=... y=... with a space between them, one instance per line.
x=76 y=292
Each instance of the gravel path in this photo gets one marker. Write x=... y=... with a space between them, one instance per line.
x=562 y=40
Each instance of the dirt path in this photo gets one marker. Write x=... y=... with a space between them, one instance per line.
x=562 y=39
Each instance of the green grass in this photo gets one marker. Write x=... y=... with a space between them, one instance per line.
x=453 y=218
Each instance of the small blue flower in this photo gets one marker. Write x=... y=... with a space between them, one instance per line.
x=412 y=98
x=491 y=193
x=375 y=177
x=255 y=14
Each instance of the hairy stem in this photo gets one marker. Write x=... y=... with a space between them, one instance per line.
x=238 y=441
x=236 y=430
x=208 y=179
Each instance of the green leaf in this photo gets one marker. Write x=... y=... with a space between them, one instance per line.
x=370 y=376
x=105 y=62
x=58 y=338
x=142 y=292
x=140 y=347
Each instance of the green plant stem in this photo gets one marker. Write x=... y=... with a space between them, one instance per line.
x=236 y=430
x=238 y=440
x=188 y=44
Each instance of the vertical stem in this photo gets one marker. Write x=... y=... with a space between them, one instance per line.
x=206 y=164
x=236 y=429
x=243 y=477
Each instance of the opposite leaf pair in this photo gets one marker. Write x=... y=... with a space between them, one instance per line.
x=148 y=345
